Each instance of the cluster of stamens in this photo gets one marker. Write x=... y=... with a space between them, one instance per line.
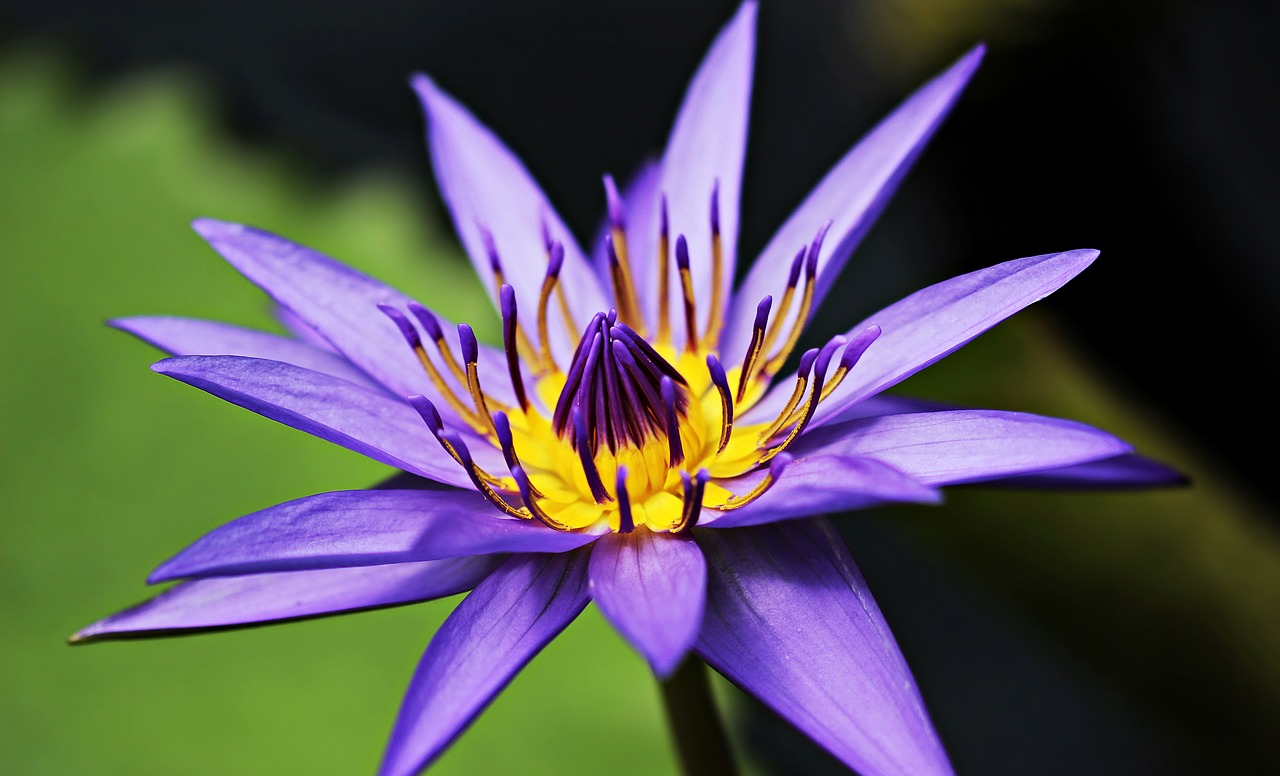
x=634 y=431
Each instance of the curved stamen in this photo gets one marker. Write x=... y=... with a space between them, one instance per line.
x=626 y=524
x=502 y=426
x=716 y=318
x=471 y=356
x=431 y=325
x=675 y=449
x=694 y=488
x=587 y=460
x=624 y=289
x=802 y=380
x=411 y=336
x=510 y=326
x=824 y=358
x=806 y=304
x=531 y=502
x=780 y=320
x=753 y=349
x=819 y=373
x=852 y=353
x=721 y=382
x=435 y=425
x=776 y=466
x=499 y=280
x=664 y=274
x=453 y=443
x=686 y=288
x=555 y=261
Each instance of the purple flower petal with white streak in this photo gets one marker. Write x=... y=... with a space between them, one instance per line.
x=705 y=152
x=363 y=528
x=820 y=485
x=341 y=305
x=851 y=196
x=356 y=418
x=1121 y=472
x=652 y=587
x=299 y=328
x=194 y=337
x=954 y=446
x=935 y=321
x=252 y=599
x=790 y=620
x=493 y=633
x=488 y=188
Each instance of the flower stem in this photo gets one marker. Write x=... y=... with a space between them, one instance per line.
x=701 y=744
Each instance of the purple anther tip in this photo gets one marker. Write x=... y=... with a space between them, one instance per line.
x=826 y=354
x=459 y=447
x=796 y=264
x=703 y=475
x=858 y=345
x=502 y=425
x=686 y=481
x=806 y=361
x=610 y=250
x=490 y=248
x=717 y=372
x=428 y=411
x=612 y=317
x=507 y=301
x=428 y=320
x=555 y=258
x=762 y=311
x=622 y=353
x=682 y=252
x=715 y=207
x=626 y=523
x=402 y=323
x=547 y=242
x=811 y=266
x=668 y=389
x=617 y=215
x=664 y=223
x=470 y=347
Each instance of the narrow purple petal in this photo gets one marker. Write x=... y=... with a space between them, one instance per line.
x=704 y=151
x=956 y=446
x=790 y=620
x=487 y=188
x=935 y=321
x=193 y=337
x=652 y=587
x=851 y=195
x=363 y=528
x=340 y=304
x=819 y=485
x=368 y=422
x=228 y=602
x=1122 y=471
x=493 y=633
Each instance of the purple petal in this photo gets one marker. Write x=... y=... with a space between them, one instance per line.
x=790 y=620
x=493 y=633
x=652 y=587
x=851 y=196
x=487 y=188
x=951 y=447
x=819 y=485
x=363 y=528
x=935 y=321
x=1123 y=471
x=705 y=151
x=192 y=337
x=342 y=305
x=299 y=328
x=228 y=602
x=369 y=422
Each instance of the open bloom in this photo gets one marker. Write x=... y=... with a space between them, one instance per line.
x=632 y=442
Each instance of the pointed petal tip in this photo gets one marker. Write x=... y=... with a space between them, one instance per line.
x=211 y=228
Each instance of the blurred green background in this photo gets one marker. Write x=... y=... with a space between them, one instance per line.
x=1145 y=621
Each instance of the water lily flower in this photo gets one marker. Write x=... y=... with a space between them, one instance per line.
x=633 y=442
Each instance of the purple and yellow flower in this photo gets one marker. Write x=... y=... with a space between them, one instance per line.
x=633 y=442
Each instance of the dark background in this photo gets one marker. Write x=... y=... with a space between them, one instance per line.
x=1145 y=129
